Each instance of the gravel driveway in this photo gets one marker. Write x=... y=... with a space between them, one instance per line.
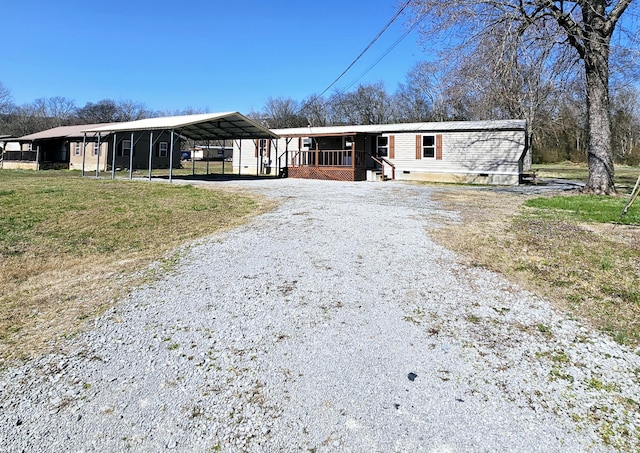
x=330 y=324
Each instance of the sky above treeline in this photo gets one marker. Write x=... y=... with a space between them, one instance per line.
x=207 y=55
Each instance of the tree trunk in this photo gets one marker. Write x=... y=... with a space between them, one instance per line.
x=600 y=154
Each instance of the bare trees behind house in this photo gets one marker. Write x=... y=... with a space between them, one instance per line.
x=46 y=113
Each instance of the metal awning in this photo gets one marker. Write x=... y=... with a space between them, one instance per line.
x=206 y=126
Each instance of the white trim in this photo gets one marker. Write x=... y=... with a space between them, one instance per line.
x=163 y=152
x=126 y=147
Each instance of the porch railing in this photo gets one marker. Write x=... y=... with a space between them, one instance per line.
x=29 y=156
x=381 y=161
x=328 y=158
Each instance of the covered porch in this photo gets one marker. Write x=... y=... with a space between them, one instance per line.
x=334 y=156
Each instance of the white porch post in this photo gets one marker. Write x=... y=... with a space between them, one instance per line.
x=150 y=151
x=113 y=156
x=171 y=158
x=98 y=157
x=131 y=157
x=84 y=141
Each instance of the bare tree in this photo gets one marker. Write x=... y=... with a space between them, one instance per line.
x=316 y=111
x=584 y=26
x=368 y=104
x=104 y=111
x=421 y=97
x=55 y=111
x=24 y=120
x=283 y=112
x=5 y=98
x=625 y=123
x=128 y=110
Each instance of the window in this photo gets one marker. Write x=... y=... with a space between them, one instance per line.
x=126 y=147
x=428 y=146
x=262 y=147
x=96 y=149
x=163 y=149
x=383 y=146
x=77 y=149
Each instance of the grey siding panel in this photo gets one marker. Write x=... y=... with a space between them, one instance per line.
x=475 y=152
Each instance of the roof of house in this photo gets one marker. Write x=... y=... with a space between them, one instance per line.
x=61 y=132
x=445 y=126
x=206 y=126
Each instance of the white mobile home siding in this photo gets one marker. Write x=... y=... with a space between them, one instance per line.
x=245 y=161
x=485 y=157
x=481 y=152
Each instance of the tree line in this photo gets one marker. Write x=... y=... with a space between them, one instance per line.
x=557 y=118
x=47 y=113
x=556 y=114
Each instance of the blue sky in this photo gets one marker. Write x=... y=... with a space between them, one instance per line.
x=210 y=55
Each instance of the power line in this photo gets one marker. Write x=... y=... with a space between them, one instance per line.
x=373 y=41
x=384 y=54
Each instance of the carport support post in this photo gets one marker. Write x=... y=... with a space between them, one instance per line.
x=276 y=159
x=208 y=157
x=98 y=157
x=193 y=159
x=150 y=151
x=171 y=158
x=131 y=157
x=113 y=156
x=84 y=141
x=223 y=157
x=239 y=157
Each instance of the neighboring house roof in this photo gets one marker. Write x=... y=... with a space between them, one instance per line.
x=206 y=126
x=61 y=132
x=445 y=126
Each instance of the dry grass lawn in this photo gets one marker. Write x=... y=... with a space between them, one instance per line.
x=589 y=270
x=71 y=246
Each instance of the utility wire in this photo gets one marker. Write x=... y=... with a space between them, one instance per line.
x=373 y=41
x=384 y=54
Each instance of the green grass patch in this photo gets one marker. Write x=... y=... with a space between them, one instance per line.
x=70 y=245
x=625 y=176
x=588 y=208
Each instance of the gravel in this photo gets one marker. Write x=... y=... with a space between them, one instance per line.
x=333 y=323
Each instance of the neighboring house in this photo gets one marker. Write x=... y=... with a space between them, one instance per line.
x=213 y=152
x=483 y=152
x=7 y=145
x=72 y=147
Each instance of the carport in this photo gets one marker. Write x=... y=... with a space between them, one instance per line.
x=200 y=127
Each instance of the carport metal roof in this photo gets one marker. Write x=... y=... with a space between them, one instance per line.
x=206 y=126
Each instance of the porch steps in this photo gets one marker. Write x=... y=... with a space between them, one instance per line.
x=528 y=178
x=376 y=176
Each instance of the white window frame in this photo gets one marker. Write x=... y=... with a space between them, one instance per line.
x=262 y=147
x=96 y=149
x=77 y=149
x=429 y=150
x=126 y=147
x=382 y=149
x=163 y=149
